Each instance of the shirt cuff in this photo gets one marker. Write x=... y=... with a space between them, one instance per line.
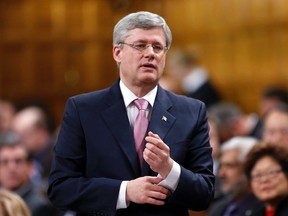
x=121 y=201
x=172 y=180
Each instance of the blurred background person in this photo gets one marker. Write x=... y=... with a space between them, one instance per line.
x=16 y=166
x=214 y=141
x=272 y=97
x=8 y=137
x=234 y=122
x=31 y=124
x=186 y=75
x=267 y=170
x=215 y=144
x=7 y=111
x=237 y=199
x=11 y=204
x=275 y=125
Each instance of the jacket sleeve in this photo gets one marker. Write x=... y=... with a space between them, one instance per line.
x=195 y=189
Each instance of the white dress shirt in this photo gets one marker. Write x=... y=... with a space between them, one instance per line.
x=171 y=181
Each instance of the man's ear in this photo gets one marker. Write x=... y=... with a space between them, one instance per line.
x=117 y=53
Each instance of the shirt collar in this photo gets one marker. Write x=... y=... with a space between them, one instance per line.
x=129 y=96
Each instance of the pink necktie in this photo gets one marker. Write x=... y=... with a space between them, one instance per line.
x=140 y=127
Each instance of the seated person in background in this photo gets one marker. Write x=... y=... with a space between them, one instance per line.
x=272 y=97
x=234 y=122
x=12 y=204
x=187 y=74
x=275 y=127
x=31 y=124
x=16 y=167
x=214 y=141
x=215 y=144
x=267 y=170
x=7 y=111
x=238 y=200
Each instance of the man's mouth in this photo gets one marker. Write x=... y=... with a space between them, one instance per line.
x=148 y=65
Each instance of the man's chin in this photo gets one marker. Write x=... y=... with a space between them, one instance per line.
x=227 y=191
x=149 y=79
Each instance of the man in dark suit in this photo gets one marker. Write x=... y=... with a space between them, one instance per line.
x=16 y=167
x=237 y=198
x=187 y=76
x=96 y=170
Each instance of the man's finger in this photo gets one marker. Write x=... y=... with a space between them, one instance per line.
x=150 y=133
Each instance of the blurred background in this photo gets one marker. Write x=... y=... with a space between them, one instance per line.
x=53 y=49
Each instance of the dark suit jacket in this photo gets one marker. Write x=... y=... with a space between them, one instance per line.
x=282 y=209
x=207 y=93
x=95 y=152
x=36 y=202
x=246 y=207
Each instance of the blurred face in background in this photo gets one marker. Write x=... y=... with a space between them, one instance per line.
x=267 y=104
x=7 y=111
x=268 y=181
x=214 y=138
x=276 y=128
x=15 y=169
x=32 y=136
x=232 y=177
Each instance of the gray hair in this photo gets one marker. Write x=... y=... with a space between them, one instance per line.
x=143 y=20
x=243 y=144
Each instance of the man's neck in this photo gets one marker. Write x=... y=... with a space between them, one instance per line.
x=140 y=90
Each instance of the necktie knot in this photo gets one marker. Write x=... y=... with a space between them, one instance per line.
x=141 y=103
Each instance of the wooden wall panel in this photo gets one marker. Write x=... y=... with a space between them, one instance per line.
x=243 y=43
x=52 y=49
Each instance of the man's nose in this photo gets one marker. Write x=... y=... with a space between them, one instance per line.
x=149 y=49
x=221 y=172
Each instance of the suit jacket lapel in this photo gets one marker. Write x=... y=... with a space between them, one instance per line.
x=161 y=120
x=117 y=120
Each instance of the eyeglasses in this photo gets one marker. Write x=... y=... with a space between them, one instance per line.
x=269 y=175
x=157 y=48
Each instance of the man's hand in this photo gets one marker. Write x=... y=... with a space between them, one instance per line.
x=145 y=190
x=157 y=155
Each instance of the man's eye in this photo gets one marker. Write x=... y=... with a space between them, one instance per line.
x=157 y=47
x=140 y=46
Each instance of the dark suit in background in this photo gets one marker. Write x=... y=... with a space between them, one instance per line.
x=245 y=207
x=206 y=93
x=38 y=205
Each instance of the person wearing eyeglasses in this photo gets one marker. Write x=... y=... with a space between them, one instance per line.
x=267 y=170
x=134 y=148
x=237 y=198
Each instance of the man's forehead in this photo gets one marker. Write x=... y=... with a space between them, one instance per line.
x=24 y=119
x=230 y=155
x=15 y=149
x=275 y=116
